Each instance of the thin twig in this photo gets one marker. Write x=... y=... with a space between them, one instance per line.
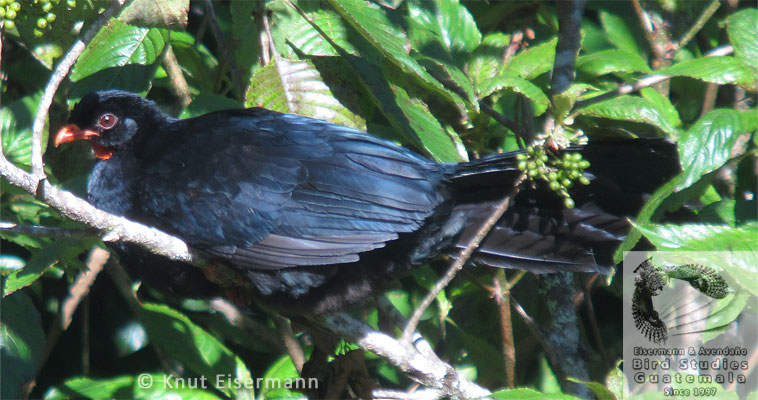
x=647 y=81
x=649 y=32
x=500 y=118
x=176 y=76
x=501 y=294
x=535 y=330
x=227 y=52
x=699 y=23
x=592 y=317
x=60 y=73
x=462 y=258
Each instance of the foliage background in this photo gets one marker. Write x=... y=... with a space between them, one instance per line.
x=429 y=75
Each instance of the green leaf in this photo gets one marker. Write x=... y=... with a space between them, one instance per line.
x=608 y=61
x=22 y=342
x=600 y=391
x=199 y=351
x=721 y=70
x=707 y=145
x=528 y=394
x=44 y=258
x=170 y=14
x=540 y=102
x=487 y=60
x=280 y=377
x=662 y=104
x=701 y=237
x=198 y=64
x=534 y=61
x=619 y=33
x=143 y=386
x=449 y=22
x=208 y=102
x=304 y=37
x=742 y=28
x=724 y=313
x=120 y=57
x=16 y=129
x=416 y=119
x=615 y=381
x=453 y=78
x=629 y=108
x=564 y=101
x=296 y=87
x=374 y=26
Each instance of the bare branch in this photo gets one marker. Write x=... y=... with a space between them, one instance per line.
x=461 y=259
x=569 y=41
x=430 y=371
x=289 y=340
x=115 y=227
x=60 y=73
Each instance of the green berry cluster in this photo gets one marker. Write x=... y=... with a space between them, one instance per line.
x=8 y=12
x=560 y=173
x=42 y=10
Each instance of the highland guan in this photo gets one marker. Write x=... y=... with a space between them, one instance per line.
x=309 y=216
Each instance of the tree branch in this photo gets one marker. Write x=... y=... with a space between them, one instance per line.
x=60 y=73
x=418 y=365
x=115 y=227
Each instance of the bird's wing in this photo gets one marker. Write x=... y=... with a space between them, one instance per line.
x=272 y=191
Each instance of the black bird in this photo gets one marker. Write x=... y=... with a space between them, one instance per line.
x=309 y=216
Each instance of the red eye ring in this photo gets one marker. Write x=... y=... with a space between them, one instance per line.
x=107 y=121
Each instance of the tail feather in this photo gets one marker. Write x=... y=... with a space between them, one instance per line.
x=537 y=233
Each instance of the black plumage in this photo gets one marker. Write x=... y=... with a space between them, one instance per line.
x=309 y=216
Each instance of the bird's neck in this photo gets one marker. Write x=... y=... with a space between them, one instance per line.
x=110 y=186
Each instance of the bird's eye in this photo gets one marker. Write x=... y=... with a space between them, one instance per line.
x=107 y=121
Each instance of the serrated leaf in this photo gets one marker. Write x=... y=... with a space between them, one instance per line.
x=22 y=342
x=707 y=145
x=296 y=87
x=721 y=70
x=417 y=120
x=450 y=22
x=564 y=101
x=534 y=61
x=540 y=102
x=170 y=14
x=487 y=60
x=183 y=340
x=663 y=105
x=120 y=56
x=701 y=237
x=453 y=79
x=374 y=26
x=608 y=61
x=629 y=108
x=303 y=36
x=742 y=28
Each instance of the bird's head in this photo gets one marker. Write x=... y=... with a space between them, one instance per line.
x=110 y=121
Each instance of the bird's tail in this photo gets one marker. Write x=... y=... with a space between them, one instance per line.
x=537 y=232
